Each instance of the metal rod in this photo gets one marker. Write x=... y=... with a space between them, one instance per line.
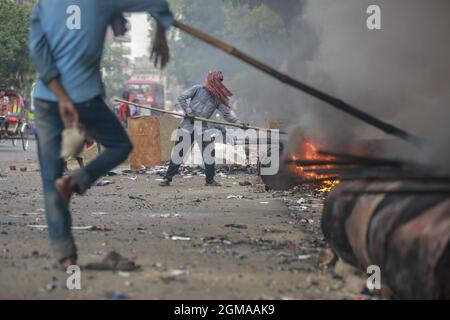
x=399 y=192
x=347 y=170
x=223 y=123
x=376 y=163
x=354 y=157
x=333 y=101
x=423 y=179
x=318 y=180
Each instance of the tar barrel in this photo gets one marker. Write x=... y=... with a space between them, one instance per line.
x=144 y=133
x=406 y=234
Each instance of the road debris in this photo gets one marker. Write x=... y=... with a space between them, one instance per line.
x=179 y=272
x=180 y=238
x=326 y=257
x=44 y=226
x=235 y=196
x=178 y=275
x=101 y=183
x=116 y=295
x=237 y=226
x=113 y=261
x=123 y=274
x=100 y=213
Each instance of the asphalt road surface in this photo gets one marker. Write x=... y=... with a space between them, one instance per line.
x=10 y=153
x=190 y=241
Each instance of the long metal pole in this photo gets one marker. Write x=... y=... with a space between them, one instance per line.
x=223 y=123
x=337 y=103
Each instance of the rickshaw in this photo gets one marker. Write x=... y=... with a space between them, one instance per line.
x=13 y=118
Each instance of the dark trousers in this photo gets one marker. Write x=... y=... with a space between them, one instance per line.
x=210 y=169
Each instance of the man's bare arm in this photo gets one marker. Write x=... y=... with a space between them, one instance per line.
x=67 y=110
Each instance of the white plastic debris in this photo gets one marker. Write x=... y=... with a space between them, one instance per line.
x=123 y=274
x=178 y=272
x=235 y=196
x=180 y=238
x=43 y=226
x=32 y=213
x=38 y=226
x=99 y=213
x=83 y=228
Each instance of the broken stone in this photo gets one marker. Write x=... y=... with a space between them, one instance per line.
x=326 y=257
x=113 y=261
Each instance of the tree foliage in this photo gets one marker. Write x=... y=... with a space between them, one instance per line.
x=287 y=9
x=249 y=28
x=261 y=28
x=16 y=70
x=114 y=78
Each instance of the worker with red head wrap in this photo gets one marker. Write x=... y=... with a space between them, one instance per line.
x=202 y=101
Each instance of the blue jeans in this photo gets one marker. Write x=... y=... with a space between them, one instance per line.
x=103 y=126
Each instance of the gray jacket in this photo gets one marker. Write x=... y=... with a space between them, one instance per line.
x=202 y=104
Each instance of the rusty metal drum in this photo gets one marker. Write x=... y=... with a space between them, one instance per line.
x=144 y=134
x=406 y=235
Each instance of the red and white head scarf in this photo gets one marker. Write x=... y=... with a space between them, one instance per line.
x=213 y=84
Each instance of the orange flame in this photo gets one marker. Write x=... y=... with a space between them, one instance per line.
x=309 y=151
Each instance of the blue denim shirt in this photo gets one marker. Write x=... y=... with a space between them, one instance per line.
x=73 y=54
x=202 y=104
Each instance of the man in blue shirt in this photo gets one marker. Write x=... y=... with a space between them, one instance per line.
x=66 y=44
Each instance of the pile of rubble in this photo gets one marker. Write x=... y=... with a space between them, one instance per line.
x=186 y=170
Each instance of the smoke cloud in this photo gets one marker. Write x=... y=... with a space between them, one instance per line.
x=400 y=74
